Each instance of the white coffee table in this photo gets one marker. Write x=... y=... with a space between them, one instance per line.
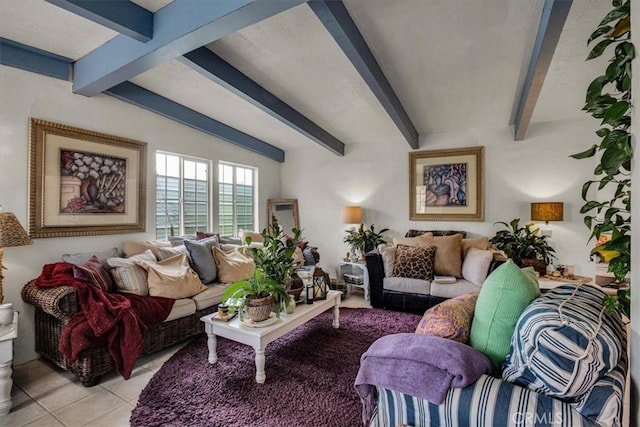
x=259 y=337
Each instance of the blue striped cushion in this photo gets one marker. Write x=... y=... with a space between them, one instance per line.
x=487 y=402
x=564 y=343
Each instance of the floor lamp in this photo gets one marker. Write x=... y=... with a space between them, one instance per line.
x=11 y=234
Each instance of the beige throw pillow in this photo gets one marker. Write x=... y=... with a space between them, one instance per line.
x=479 y=243
x=234 y=265
x=448 y=260
x=172 y=278
x=134 y=247
x=255 y=237
x=475 y=266
x=388 y=254
x=420 y=241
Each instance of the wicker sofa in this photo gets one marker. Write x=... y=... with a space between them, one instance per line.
x=413 y=295
x=54 y=307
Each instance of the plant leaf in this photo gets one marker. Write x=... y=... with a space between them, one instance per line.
x=615 y=14
x=598 y=50
x=602 y=132
x=597 y=33
x=585 y=154
x=615 y=112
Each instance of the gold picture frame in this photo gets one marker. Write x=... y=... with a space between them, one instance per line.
x=84 y=183
x=447 y=185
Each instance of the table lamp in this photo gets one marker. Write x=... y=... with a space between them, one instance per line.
x=352 y=215
x=11 y=234
x=547 y=211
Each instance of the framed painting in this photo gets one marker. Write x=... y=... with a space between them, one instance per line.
x=447 y=185
x=84 y=183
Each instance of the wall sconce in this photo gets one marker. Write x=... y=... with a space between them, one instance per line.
x=11 y=234
x=547 y=211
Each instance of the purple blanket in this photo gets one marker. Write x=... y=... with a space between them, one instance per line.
x=419 y=365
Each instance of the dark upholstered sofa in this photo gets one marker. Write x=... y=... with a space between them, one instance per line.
x=385 y=294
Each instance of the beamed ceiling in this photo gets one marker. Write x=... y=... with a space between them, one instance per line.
x=278 y=75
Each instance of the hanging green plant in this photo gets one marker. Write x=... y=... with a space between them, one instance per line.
x=609 y=100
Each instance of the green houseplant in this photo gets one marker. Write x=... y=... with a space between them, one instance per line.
x=523 y=243
x=364 y=239
x=607 y=197
x=273 y=277
x=260 y=292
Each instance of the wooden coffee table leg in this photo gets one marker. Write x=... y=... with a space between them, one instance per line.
x=336 y=314
x=212 y=343
x=261 y=376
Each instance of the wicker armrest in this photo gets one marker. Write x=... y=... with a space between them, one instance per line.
x=60 y=302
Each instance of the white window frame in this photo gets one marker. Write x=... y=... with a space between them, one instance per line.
x=179 y=229
x=234 y=203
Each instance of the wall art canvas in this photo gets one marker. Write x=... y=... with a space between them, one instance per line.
x=84 y=183
x=446 y=185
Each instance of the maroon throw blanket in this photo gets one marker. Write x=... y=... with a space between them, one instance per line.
x=120 y=320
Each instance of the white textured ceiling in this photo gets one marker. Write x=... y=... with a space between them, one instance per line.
x=454 y=64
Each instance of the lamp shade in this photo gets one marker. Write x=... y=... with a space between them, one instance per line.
x=352 y=215
x=11 y=232
x=547 y=211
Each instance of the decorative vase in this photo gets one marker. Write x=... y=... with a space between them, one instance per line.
x=259 y=309
x=290 y=306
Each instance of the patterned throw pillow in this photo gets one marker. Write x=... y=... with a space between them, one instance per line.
x=565 y=342
x=93 y=272
x=414 y=262
x=450 y=319
x=128 y=277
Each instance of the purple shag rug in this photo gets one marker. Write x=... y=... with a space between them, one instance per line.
x=310 y=376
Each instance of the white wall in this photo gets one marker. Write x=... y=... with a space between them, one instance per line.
x=516 y=173
x=26 y=95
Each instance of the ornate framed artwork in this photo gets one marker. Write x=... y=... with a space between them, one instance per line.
x=84 y=183
x=447 y=185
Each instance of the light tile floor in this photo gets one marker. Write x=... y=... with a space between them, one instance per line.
x=44 y=395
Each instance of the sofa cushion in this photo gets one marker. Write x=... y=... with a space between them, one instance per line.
x=202 y=259
x=565 y=342
x=414 y=262
x=128 y=276
x=181 y=308
x=94 y=272
x=234 y=265
x=388 y=254
x=403 y=284
x=164 y=253
x=82 y=257
x=478 y=243
x=475 y=266
x=209 y=297
x=450 y=319
x=172 y=278
x=448 y=260
x=135 y=247
x=503 y=297
x=255 y=237
x=412 y=241
x=452 y=290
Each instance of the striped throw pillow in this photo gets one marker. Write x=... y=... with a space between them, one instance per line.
x=94 y=273
x=565 y=342
x=128 y=276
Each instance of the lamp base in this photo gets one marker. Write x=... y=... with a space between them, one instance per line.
x=1 y=277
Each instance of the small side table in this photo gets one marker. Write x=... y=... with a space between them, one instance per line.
x=8 y=333
x=358 y=273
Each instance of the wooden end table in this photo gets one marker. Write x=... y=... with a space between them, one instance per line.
x=260 y=337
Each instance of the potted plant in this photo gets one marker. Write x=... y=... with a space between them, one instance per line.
x=259 y=296
x=363 y=239
x=524 y=245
